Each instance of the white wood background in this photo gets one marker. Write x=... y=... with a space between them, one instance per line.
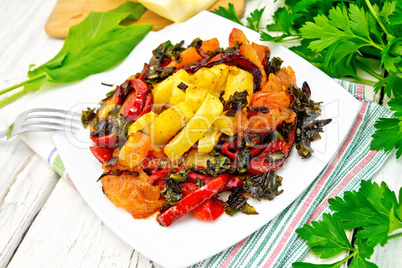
x=43 y=221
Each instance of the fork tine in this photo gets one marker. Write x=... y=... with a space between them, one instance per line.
x=34 y=110
x=31 y=121
x=35 y=116
x=43 y=129
x=50 y=124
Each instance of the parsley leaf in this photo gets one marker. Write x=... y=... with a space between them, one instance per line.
x=254 y=19
x=388 y=134
x=341 y=33
x=326 y=238
x=311 y=265
x=364 y=252
x=374 y=211
x=336 y=36
x=372 y=208
x=392 y=85
x=229 y=13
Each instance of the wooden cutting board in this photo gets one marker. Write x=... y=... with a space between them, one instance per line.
x=67 y=13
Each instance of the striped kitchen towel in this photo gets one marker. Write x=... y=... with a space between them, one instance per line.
x=276 y=244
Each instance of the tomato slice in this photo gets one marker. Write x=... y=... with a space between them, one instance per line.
x=210 y=209
x=102 y=154
x=104 y=142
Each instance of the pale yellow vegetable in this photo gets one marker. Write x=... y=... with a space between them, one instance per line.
x=211 y=78
x=207 y=143
x=177 y=10
x=224 y=124
x=163 y=91
x=238 y=80
x=203 y=77
x=186 y=110
x=144 y=123
x=221 y=74
x=170 y=121
x=177 y=93
x=197 y=158
x=195 y=95
x=195 y=128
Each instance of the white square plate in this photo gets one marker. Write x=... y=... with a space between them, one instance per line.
x=189 y=240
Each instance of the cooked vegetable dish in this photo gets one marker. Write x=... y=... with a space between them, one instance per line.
x=197 y=121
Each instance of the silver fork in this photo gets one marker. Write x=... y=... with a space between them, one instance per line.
x=43 y=120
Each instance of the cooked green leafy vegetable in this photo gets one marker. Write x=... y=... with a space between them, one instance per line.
x=238 y=202
x=342 y=37
x=374 y=211
x=164 y=51
x=171 y=192
x=308 y=127
x=235 y=103
x=93 y=46
x=263 y=186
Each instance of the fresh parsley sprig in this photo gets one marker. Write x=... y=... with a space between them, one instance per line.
x=374 y=211
x=92 y=46
x=253 y=21
x=339 y=37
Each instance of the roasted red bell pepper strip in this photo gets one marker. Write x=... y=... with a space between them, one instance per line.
x=210 y=209
x=141 y=76
x=257 y=150
x=233 y=182
x=148 y=105
x=192 y=200
x=192 y=177
x=158 y=175
x=104 y=142
x=136 y=104
x=161 y=184
x=225 y=151
x=103 y=155
x=259 y=164
x=188 y=188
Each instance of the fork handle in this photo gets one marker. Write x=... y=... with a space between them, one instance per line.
x=3 y=134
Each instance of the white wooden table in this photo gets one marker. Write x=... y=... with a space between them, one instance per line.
x=44 y=222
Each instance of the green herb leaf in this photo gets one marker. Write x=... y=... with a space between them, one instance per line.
x=372 y=208
x=374 y=211
x=342 y=33
x=93 y=46
x=312 y=265
x=326 y=238
x=388 y=134
x=392 y=85
x=283 y=18
x=135 y=9
x=364 y=252
x=96 y=44
x=254 y=19
x=390 y=60
x=229 y=13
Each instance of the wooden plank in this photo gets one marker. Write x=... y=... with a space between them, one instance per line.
x=56 y=237
x=66 y=233
x=26 y=184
